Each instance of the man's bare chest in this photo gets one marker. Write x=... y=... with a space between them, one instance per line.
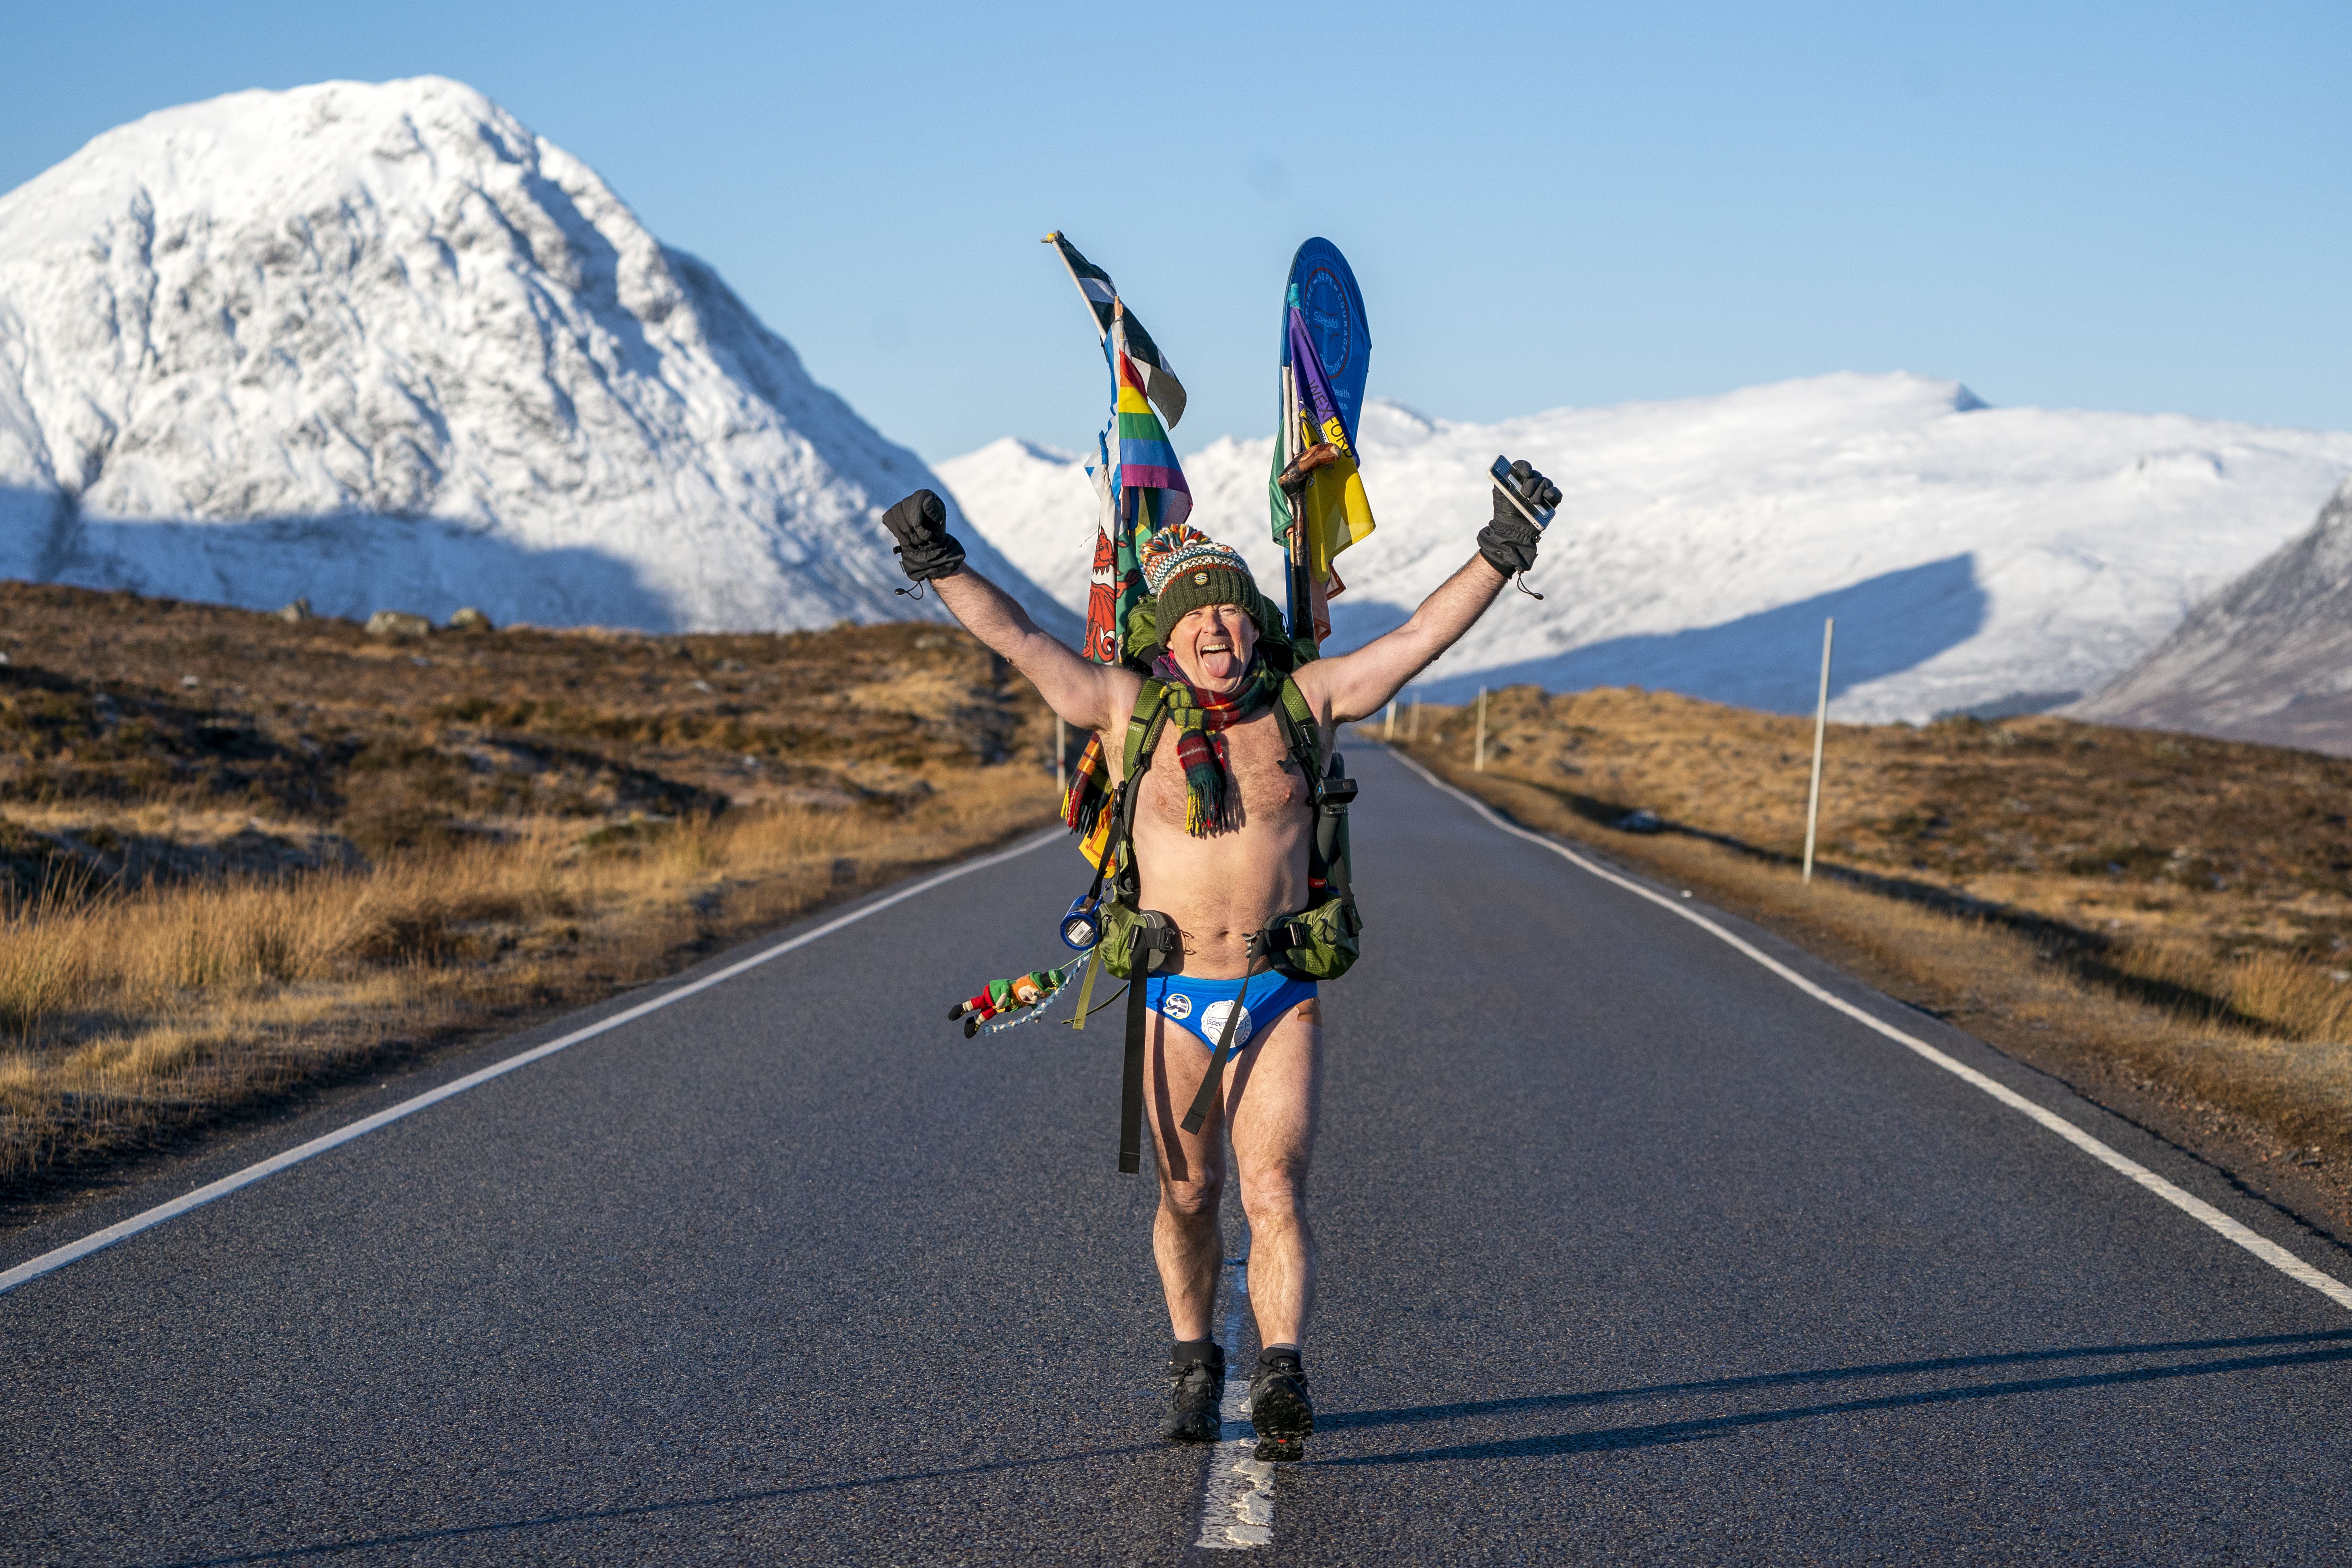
x=1271 y=787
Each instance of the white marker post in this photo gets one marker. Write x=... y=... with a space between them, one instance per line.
x=1388 y=726
x=1479 y=766
x=1820 y=725
x=1061 y=766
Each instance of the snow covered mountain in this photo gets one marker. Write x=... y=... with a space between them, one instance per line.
x=380 y=346
x=1999 y=560
x=2267 y=659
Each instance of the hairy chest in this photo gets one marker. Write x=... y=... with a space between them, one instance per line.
x=1270 y=783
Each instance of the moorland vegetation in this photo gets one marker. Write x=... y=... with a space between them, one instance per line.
x=2162 y=920
x=241 y=854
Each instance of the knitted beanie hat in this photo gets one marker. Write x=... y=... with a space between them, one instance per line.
x=1186 y=569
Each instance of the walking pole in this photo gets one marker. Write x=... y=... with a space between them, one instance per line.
x=1480 y=765
x=1061 y=761
x=1821 y=723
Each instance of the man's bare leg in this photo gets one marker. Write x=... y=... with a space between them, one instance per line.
x=1270 y=1092
x=1186 y=1242
x=1272 y=1089
x=1273 y=1093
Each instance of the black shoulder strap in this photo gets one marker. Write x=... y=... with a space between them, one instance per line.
x=1212 y=1084
x=1130 y=1082
x=1143 y=953
x=1152 y=943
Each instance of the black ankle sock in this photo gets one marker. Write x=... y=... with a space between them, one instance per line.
x=1187 y=1351
x=1279 y=1352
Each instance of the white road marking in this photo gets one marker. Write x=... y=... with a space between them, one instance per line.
x=1237 y=1497
x=2269 y=1251
x=62 y=1256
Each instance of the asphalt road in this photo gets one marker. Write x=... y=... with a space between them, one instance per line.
x=1631 y=1252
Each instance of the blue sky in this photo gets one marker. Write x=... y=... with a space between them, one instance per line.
x=2140 y=206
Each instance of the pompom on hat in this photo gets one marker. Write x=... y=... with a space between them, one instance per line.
x=1186 y=569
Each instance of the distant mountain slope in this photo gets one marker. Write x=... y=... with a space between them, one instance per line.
x=2005 y=559
x=382 y=346
x=2269 y=657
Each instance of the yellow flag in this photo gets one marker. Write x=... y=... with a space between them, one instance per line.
x=1339 y=513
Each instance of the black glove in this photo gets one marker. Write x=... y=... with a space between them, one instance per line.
x=1509 y=541
x=925 y=549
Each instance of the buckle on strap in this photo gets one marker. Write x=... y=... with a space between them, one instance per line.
x=1154 y=934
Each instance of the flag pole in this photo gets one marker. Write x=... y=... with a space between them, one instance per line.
x=1101 y=333
x=1299 y=578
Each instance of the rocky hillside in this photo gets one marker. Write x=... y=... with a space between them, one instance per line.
x=2267 y=659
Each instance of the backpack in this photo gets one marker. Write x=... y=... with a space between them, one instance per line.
x=1318 y=942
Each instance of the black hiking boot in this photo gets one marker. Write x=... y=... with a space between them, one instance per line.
x=1196 y=1393
x=1279 y=1407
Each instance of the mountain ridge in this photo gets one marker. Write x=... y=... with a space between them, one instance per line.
x=1976 y=557
x=2267 y=659
x=382 y=345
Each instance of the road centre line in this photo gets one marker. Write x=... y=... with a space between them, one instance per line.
x=1237 y=1494
x=50 y=1261
x=2197 y=1208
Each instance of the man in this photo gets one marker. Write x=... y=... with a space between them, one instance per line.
x=1223 y=853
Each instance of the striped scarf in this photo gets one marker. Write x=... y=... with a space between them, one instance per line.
x=1083 y=807
x=1198 y=716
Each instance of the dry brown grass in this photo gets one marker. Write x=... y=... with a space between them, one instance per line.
x=133 y=1014
x=2157 y=911
x=238 y=856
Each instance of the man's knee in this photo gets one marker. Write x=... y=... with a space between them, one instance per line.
x=1188 y=1200
x=1274 y=1192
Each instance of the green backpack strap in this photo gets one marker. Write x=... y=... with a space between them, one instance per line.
x=1326 y=855
x=1304 y=736
x=1144 y=724
x=1143 y=728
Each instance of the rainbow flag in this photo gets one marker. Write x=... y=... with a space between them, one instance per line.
x=1146 y=462
x=1140 y=490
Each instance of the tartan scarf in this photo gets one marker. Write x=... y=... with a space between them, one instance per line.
x=1200 y=716
x=1083 y=805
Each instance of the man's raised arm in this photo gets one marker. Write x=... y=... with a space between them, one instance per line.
x=1351 y=686
x=1079 y=691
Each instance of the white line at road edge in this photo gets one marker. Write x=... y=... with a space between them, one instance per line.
x=294 y=1156
x=2269 y=1251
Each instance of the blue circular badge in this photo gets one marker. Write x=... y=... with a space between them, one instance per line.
x=1323 y=304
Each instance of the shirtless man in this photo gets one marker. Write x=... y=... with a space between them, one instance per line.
x=1222 y=882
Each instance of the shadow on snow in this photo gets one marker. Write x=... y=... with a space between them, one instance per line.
x=1771 y=660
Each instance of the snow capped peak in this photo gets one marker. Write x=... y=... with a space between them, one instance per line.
x=308 y=146
x=1385 y=422
x=2269 y=657
x=1973 y=557
x=380 y=346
